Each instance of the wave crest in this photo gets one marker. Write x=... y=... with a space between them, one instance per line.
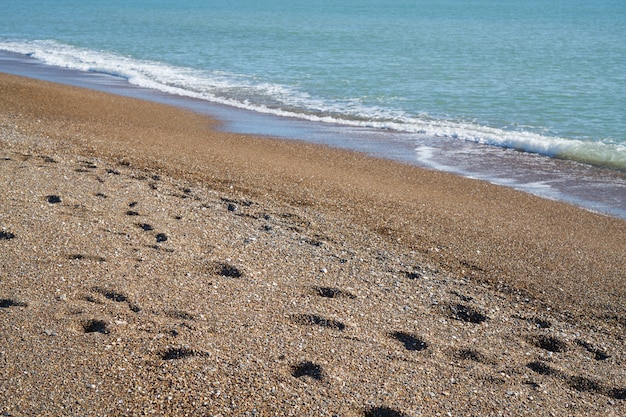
x=246 y=92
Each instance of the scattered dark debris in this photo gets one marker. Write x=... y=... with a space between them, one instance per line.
x=101 y=195
x=132 y=213
x=133 y=204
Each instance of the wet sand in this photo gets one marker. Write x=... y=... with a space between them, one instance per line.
x=151 y=265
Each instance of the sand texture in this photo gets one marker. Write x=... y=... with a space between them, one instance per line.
x=150 y=265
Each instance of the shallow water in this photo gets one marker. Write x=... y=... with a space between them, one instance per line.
x=543 y=77
x=593 y=188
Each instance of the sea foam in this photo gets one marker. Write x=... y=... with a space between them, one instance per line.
x=246 y=92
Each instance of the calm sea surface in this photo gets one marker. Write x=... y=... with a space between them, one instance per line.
x=448 y=81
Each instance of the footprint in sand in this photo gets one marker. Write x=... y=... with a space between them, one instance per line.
x=578 y=382
x=473 y=355
x=7 y=303
x=176 y=353
x=53 y=199
x=309 y=369
x=79 y=256
x=329 y=292
x=465 y=313
x=599 y=354
x=95 y=326
x=410 y=342
x=181 y=315
x=6 y=235
x=226 y=270
x=145 y=227
x=314 y=320
x=118 y=298
x=549 y=343
x=383 y=412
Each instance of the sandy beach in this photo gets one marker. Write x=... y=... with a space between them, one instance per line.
x=151 y=265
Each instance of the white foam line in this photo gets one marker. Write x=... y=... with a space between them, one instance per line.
x=243 y=92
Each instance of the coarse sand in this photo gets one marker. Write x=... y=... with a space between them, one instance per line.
x=151 y=265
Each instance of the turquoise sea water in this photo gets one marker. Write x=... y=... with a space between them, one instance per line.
x=542 y=76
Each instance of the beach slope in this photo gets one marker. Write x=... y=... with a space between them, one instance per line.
x=150 y=264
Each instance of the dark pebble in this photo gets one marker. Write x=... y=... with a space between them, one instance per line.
x=161 y=237
x=54 y=199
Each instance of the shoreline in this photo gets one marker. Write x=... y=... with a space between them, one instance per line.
x=596 y=189
x=246 y=222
